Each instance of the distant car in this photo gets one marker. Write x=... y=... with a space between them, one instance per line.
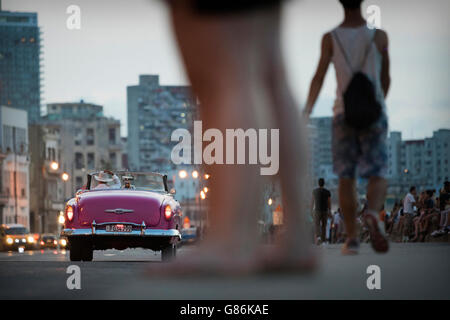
x=189 y=235
x=139 y=213
x=63 y=243
x=14 y=236
x=48 y=241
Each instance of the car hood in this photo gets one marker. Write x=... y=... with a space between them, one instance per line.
x=120 y=206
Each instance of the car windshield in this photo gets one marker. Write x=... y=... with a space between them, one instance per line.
x=17 y=230
x=132 y=181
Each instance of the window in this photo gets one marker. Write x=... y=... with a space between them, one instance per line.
x=79 y=160
x=112 y=135
x=113 y=160
x=91 y=160
x=79 y=182
x=78 y=138
x=51 y=154
x=90 y=139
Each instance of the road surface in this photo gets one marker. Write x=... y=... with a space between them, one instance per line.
x=408 y=271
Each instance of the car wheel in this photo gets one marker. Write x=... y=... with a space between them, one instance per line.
x=75 y=250
x=87 y=251
x=169 y=253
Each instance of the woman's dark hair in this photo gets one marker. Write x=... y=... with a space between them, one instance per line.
x=351 y=4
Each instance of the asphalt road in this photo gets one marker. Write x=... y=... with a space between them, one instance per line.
x=409 y=271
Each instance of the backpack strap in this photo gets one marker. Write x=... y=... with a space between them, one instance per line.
x=366 y=52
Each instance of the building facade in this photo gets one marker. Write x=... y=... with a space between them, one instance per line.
x=321 y=160
x=88 y=141
x=423 y=163
x=20 y=47
x=46 y=200
x=14 y=169
x=154 y=112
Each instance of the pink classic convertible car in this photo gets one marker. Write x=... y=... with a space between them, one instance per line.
x=125 y=210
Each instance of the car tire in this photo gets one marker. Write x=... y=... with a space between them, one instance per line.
x=87 y=251
x=169 y=253
x=75 y=250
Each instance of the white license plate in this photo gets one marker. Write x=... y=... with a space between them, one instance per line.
x=119 y=228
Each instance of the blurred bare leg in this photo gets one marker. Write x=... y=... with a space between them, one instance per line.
x=376 y=193
x=235 y=67
x=222 y=59
x=293 y=250
x=349 y=204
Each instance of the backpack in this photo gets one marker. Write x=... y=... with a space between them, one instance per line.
x=361 y=108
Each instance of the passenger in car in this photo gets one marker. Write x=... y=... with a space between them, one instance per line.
x=103 y=178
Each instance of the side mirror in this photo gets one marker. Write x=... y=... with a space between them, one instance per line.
x=172 y=191
x=79 y=191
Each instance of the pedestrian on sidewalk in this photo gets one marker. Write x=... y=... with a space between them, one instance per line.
x=321 y=206
x=408 y=211
x=360 y=57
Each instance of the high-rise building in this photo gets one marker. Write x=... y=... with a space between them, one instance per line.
x=14 y=166
x=154 y=112
x=320 y=147
x=88 y=141
x=20 y=46
x=321 y=157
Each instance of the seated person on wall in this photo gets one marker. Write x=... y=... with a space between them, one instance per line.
x=104 y=179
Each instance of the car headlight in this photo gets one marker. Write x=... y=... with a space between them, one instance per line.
x=63 y=242
x=24 y=240
x=30 y=239
x=16 y=240
x=9 y=240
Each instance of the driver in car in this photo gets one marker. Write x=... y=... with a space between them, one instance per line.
x=103 y=178
x=127 y=182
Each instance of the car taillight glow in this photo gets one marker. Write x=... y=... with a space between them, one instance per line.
x=69 y=213
x=167 y=212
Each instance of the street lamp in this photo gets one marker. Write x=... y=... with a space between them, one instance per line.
x=61 y=221
x=205 y=189
x=54 y=165
x=65 y=176
x=195 y=174
x=202 y=197
x=206 y=176
x=182 y=174
x=270 y=201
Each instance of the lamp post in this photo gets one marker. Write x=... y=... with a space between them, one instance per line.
x=61 y=221
x=65 y=177
x=202 y=197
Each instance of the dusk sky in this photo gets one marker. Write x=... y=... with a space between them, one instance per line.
x=119 y=40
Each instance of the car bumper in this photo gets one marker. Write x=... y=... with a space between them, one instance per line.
x=170 y=233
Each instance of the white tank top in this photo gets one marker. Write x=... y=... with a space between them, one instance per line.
x=355 y=42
